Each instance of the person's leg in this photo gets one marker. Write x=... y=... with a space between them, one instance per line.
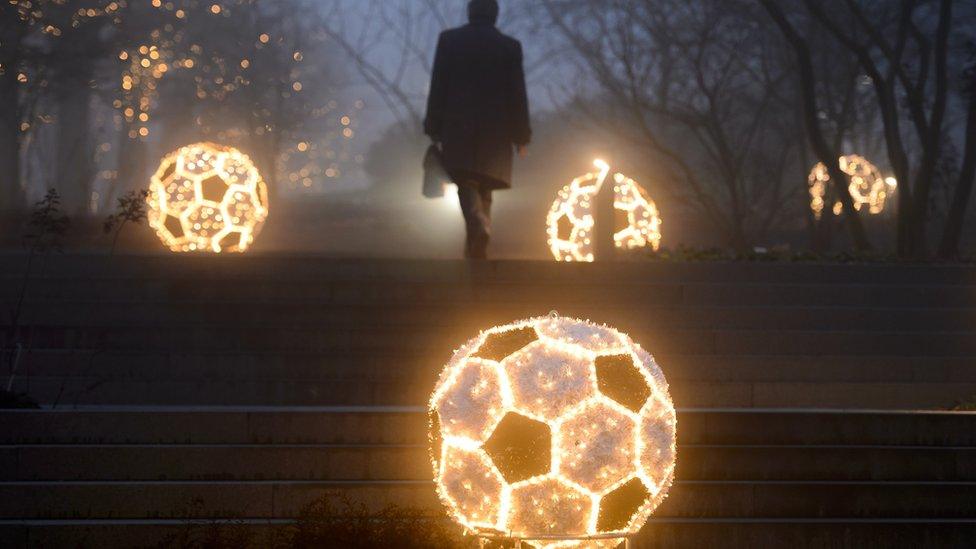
x=476 y=221
x=486 y=206
x=480 y=242
x=470 y=201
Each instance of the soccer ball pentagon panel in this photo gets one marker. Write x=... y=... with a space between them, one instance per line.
x=206 y=197
x=552 y=426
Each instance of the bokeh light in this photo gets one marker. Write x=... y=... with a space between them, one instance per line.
x=867 y=186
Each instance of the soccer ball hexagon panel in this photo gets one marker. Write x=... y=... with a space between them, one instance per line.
x=552 y=426
x=207 y=197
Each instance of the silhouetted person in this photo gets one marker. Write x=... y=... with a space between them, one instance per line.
x=477 y=111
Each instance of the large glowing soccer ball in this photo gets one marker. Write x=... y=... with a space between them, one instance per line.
x=867 y=186
x=206 y=197
x=552 y=426
x=637 y=222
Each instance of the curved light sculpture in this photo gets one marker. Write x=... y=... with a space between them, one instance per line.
x=207 y=198
x=637 y=222
x=552 y=426
x=867 y=186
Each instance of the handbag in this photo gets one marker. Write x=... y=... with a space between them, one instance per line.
x=435 y=176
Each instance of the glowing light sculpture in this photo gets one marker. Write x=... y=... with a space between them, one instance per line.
x=570 y=221
x=867 y=186
x=552 y=427
x=207 y=197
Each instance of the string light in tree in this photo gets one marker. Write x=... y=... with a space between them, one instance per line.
x=570 y=222
x=552 y=426
x=867 y=187
x=207 y=197
x=147 y=64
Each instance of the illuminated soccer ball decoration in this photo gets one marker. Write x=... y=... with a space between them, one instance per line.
x=637 y=222
x=552 y=426
x=209 y=198
x=867 y=186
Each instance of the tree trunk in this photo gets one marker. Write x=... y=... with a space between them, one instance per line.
x=74 y=168
x=932 y=147
x=951 y=234
x=11 y=194
x=814 y=132
x=738 y=239
x=131 y=163
x=604 y=217
x=824 y=230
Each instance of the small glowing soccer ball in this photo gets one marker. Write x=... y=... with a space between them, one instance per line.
x=552 y=426
x=867 y=186
x=637 y=222
x=206 y=197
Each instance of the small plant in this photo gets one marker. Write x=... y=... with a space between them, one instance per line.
x=130 y=208
x=336 y=521
x=45 y=230
x=210 y=534
x=10 y=400
x=47 y=224
x=965 y=405
x=686 y=254
x=332 y=521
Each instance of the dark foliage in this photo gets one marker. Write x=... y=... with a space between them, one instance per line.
x=336 y=521
x=130 y=208
x=11 y=400
x=332 y=521
x=47 y=224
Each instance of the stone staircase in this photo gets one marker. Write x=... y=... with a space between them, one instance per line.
x=238 y=389
x=744 y=478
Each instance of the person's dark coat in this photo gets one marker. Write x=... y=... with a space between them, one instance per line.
x=477 y=106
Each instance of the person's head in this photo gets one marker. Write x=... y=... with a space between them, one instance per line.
x=482 y=11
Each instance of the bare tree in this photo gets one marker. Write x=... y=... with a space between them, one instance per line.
x=827 y=152
x=951 y=234
x=23 y=28
x=904 y=49
x=391 y=44
x=73 y=59
x=696 y=85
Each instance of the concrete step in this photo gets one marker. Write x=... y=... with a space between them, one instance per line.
x=72 y=391
x=462 y=319
x=93 y=478
x=216 y=425
x=411 y=462
x=313 y=267
x=542 y=294
x=285 y=499
x=420 y=367
x=659 y=533
x=309 y=339
x=408 y=425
